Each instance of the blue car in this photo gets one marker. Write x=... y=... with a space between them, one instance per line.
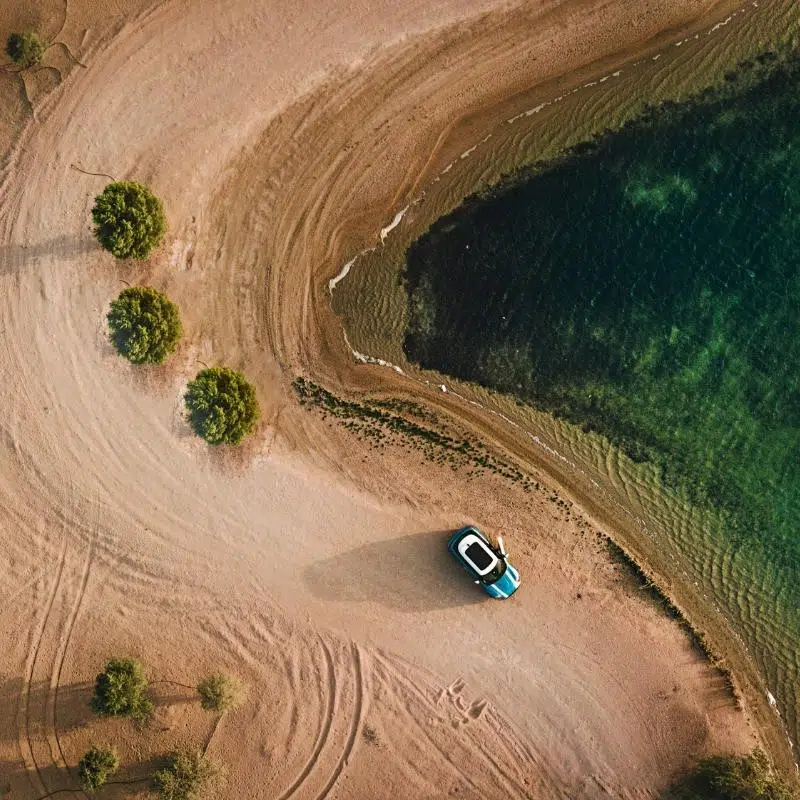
x=487 y=565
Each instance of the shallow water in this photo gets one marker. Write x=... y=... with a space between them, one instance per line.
x=648 y=288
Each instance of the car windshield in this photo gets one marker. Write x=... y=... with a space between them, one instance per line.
x=496 y=573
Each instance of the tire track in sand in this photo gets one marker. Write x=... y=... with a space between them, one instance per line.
x=55 y=680
x=325 y=724
x=355 y=725
x=403 y=688
x=38 y=717
x=24 y=738
x=501 y=759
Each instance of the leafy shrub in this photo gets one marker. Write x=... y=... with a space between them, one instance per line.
x=189 y=775
x=120 y=690
x=145 y=325
x=222 y=405
x=25 y=49
x=220 y=692
x=732 y=778
x=95 y=768
x=129 y=219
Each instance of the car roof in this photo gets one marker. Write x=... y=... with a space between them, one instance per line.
x=467 y=550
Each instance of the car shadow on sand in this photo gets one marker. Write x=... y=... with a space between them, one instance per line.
x=409 y=573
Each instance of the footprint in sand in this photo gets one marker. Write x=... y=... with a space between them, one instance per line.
x=468 y=712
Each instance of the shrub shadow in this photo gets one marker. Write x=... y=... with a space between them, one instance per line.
x=16 y=256
x=134 y=780
x=72 y=705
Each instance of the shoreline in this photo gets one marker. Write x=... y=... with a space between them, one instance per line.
x=730 y=644
x=512 y=176
x=263 y=196
x=699 y=620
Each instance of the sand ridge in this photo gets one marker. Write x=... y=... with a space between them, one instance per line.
x=312 y=565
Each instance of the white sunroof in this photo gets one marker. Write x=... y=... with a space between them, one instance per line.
x=474 y=550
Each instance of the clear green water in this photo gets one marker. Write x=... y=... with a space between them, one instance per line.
x=647 y=286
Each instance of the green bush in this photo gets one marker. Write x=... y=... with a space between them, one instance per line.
x=189 y=775
x=732 y=778
x=222 y=405
x=95 y=768
x=129 y=219
x=120 y=690
x=25 y=49
x=220 y=692
x=145 y=325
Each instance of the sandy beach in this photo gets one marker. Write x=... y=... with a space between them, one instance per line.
x=281 y=138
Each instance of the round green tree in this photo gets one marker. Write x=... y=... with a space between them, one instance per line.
x=145 y=325
x=120 y=688
x=220 y=692
x=189 y=775
x=95 y=768
x=25 y=49
x=129 y=219
x=222 y=405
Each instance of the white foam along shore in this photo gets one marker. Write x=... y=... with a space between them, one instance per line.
x=398 y=217
x=345 y=269
x=384 y=232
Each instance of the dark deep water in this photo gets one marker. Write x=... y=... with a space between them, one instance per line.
x=647 y=286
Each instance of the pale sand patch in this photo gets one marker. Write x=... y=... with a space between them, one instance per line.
x=313 y=566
